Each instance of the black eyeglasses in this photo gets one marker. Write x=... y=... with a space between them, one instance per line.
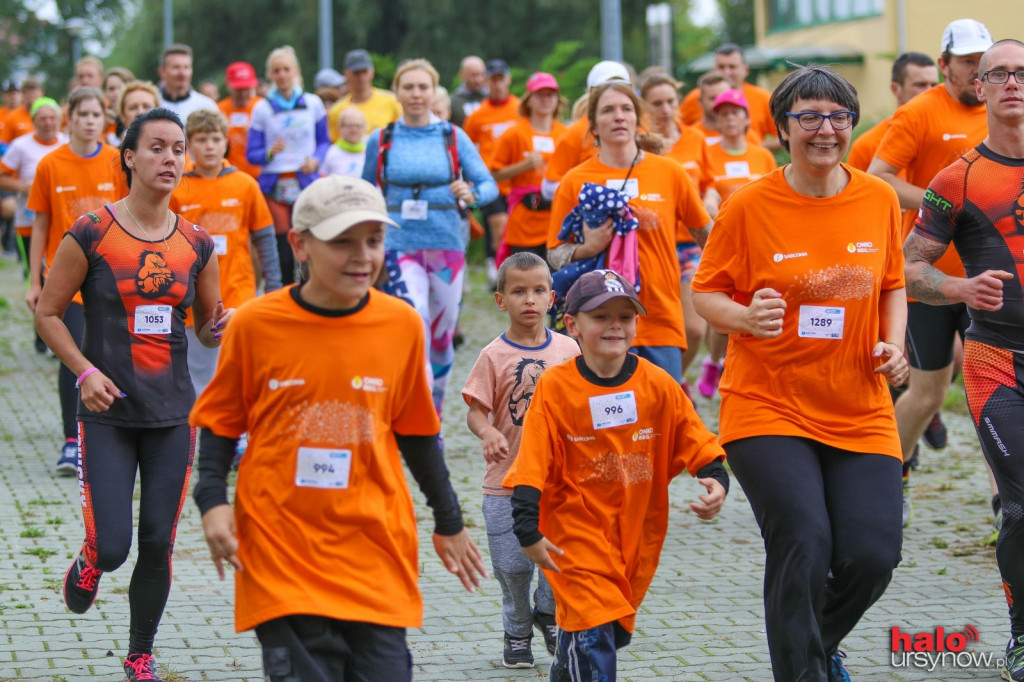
x=810 y=120
x=1000 y=76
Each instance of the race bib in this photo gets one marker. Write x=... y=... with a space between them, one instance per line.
x=414 y=209
x=631 y=187
x=615 y=409
x=238 y=119
x=821 y=322
x=220 y=244
x=322 y=468
x=737 y=169
x=153 y=319
x=543 y=144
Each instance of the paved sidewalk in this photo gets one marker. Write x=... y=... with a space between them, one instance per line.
x=702 y=619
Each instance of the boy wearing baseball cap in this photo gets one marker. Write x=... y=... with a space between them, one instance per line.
x=329 y=379
x=603 y=437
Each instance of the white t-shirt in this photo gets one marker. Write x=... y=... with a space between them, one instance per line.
x=337 y=161
x=194 y=102
x=22 y=157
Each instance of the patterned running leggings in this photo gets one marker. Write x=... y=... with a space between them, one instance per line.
x=431 y=282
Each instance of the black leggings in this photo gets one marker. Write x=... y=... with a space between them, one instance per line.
x=994 y=381
x=831 y=521
x=74 y=320
x=110 y=456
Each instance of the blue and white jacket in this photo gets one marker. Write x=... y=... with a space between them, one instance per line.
x=303 y=127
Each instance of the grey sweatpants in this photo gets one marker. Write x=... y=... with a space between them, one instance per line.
x=513 y=570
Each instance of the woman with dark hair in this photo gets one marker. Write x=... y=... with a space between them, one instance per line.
x=664 y=201
x=138 y=267
x=804 y=271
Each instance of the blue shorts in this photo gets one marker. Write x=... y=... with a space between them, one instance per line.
x=669 y=358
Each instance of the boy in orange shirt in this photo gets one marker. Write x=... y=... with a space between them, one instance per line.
x=498 y=390
x=328 y=377
x=604 y=436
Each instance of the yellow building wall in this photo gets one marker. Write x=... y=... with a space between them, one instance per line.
x=878 y=38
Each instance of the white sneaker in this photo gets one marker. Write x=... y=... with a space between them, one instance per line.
x=492 y=274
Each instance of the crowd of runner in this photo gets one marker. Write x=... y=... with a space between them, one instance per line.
x=282 y=272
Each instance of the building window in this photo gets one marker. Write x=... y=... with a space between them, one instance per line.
x=788 y=14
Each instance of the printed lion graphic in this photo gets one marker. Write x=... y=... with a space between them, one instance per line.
x=154 y=277
x=527 y=372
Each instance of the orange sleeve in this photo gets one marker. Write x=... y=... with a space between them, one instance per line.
x=690 y=109
x=508 y=149
x=39 y=195
x=472 y=127
x=723 y=255
x=258 y=211
x=223 y=407
x=409 y=416
x=899 y=146
x=695 y=445
x=893 y=277
x=692 y=213
x=567 y=155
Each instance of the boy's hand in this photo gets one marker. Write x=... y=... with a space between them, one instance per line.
x=709 y=504
x=461 y=557
x=540 y=553
x=495 y=446
x=219 y=529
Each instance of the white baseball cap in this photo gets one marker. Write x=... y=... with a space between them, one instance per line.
x=333 y=204
x=965 y=36
x=605 y=71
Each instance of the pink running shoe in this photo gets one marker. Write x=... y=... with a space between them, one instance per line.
x=710 y=373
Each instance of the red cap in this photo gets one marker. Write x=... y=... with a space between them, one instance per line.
x=240 y=75
x=541 y=81
x=733 y=97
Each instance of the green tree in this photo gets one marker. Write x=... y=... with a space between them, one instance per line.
x=737 y=22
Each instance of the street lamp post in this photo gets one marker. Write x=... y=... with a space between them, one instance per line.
x=76 y=28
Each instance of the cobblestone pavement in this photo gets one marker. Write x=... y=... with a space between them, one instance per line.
x=702 y=619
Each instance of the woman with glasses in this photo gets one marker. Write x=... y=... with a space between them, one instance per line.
x=804 y=271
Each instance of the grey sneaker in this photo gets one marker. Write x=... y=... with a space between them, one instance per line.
x=517 y=652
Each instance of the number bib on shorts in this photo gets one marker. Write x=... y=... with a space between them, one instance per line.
x=821 y=322
x=414 y=209
x=322 y=468
x=615 y=409
x=153 y=319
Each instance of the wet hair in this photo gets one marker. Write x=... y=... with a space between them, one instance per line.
x=649 y=142
x=133 y=86
x=205 y=121
x=411 y=65
x=522 y=261
x=131 y=136
x=814 y=81
x=899 y=67
x=83 y=94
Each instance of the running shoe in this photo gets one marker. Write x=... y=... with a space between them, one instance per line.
x=836 y=669
x=81 y=583
x=908 y=507
x=545 y=622
x=997 y=526
x=517 y=652
x=492 y=276
x=710 y=373
x=67 y=465
x=140 y=667
x=1013 y=667
x=935 y=435
x=915 y=461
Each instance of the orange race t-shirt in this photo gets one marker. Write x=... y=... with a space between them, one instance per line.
x=67 y=186
x=925 y=135
x=761 y=123
x=17 y=123
x=341 y=545
x=526 y=227
x=863 y=149
x=239 y=119
x=487 y=124
x=604 y=487
x=665 y=201
x=830 y=258
x=690 y=150
x=727 y=172
x=575 y=147
x=230 y=207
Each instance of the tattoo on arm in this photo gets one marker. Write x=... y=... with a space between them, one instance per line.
x=924 y=280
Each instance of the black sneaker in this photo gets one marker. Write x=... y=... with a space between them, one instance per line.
x=545 y=622
x=935 y=434
x=517 y=652
x=915 y=460
x=141 y=668
x=81 y=583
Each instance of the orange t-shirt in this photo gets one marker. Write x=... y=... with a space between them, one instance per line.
x=690 y=150
x=925 y=135
x=341 y=545
x=761 y=123
x=487 y=124
x=714 y=137
x=863 y=149
x=230 y=207
x=604 y=487
x=575 y=147
x=830 y=258
x=727 y=172
x=239 y=120
x=67 y=186
x=526 y=227
x=17 y=123
x=665 y=201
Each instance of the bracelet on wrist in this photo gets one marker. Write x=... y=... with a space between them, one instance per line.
x=84 y=375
